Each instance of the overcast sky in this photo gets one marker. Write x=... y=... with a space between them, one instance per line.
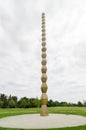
x=20 y=48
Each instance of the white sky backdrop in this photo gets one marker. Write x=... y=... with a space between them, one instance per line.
x=20 y=48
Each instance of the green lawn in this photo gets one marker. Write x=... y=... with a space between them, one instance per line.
x=60 y=110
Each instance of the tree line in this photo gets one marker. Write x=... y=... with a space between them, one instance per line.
x=24 y=102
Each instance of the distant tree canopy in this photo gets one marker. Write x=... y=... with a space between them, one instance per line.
x=24 y=102
x=13 y=102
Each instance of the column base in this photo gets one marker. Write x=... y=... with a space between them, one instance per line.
x=44 y=111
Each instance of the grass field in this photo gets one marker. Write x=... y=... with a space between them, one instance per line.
x=60 y=110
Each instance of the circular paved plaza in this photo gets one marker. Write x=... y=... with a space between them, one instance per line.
x=36 y=121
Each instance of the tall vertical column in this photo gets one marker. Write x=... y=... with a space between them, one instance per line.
x=44 y=98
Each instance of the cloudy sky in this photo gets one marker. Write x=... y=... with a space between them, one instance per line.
x=20 y=48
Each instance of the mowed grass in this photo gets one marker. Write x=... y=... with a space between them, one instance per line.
x=17 y=111
x=59 y=110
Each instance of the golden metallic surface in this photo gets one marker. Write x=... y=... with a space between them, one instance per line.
x=43 y=30
x=44 y=55
x=44 y=111
x=44 y=98
x=44 y=69
x=44 y=77
x=43 y=49
x=44 y=87
x=44 y=62
x=43 y=43
x=43 y=34
x=43 y=38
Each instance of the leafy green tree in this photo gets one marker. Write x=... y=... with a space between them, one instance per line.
x=3 y=97
x=31 y=102
x=1 y=104
x=50 y=103
x=5 y=103
x=11 y=103
x=37 y=102
x=56 y=103
x=15 y=98
x=80 y=104
x=23 y=103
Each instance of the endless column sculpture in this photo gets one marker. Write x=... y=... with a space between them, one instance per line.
x=44 y=98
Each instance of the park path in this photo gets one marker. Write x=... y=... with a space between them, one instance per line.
x=37 y=121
